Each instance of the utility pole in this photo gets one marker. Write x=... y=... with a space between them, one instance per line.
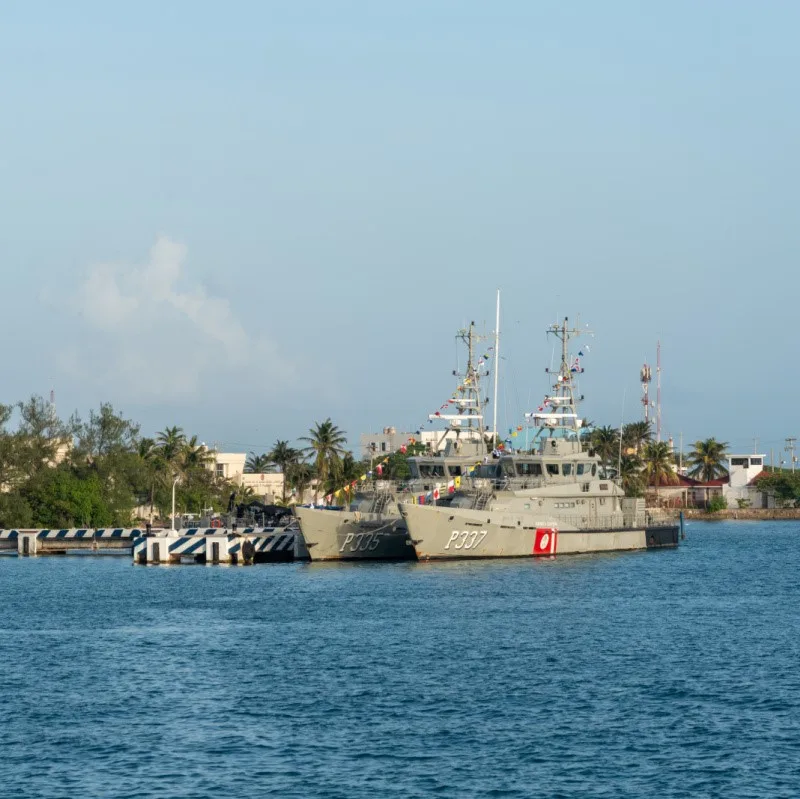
x=790 y=448
x=755 y=446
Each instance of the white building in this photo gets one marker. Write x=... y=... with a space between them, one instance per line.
x=742 y=472
x=377 y=445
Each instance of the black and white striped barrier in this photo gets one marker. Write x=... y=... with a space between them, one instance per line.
x=216 y=547
x=31 y=542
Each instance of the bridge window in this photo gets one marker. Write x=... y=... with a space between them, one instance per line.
x=529 y=469
x=552 y=469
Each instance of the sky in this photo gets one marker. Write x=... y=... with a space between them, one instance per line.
x=245 y=217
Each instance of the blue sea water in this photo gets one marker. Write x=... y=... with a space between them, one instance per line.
x=668 y=673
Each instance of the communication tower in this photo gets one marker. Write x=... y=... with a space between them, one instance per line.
x=658 y=391
x=646 y=376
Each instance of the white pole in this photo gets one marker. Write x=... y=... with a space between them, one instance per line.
x=496 y=367
x=174 y=483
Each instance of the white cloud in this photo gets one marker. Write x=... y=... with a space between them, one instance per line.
x=154 y=335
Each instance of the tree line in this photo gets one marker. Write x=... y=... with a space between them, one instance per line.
x=631 y=453
x=101 y=471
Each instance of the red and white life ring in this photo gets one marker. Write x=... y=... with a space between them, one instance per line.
x=545 y=541
x=216 y=522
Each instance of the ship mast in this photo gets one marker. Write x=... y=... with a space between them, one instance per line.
x=467 y=397
x=558 y=413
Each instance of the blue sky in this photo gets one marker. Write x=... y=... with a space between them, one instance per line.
x=245 y=217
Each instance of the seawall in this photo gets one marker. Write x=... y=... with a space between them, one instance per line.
x=743 y=514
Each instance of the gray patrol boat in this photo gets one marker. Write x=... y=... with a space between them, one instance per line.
x=371 y=527
x=553 y=500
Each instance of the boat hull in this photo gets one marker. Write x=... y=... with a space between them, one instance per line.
x=348 y=535
x=460 y=533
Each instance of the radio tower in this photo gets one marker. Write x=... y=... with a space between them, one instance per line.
x=646 y=376
x=658 y=391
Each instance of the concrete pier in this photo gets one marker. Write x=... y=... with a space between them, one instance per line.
x=198 y=545
x=46 y=542
x=217 y=545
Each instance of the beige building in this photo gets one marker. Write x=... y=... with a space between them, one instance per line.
x=230 y=466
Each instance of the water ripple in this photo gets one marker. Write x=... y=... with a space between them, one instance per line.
x=669 y=673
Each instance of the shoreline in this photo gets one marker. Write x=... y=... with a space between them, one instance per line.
x=742 y=514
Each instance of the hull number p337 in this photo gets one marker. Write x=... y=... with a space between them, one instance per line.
x=465 y=539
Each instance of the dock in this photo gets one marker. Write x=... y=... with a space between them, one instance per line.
x=213 y=545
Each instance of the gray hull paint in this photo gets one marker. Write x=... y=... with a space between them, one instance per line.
x=346 y=535
x=460 y=533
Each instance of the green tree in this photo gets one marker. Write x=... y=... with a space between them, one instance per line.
x=631 y=476
x=706 y=459
x=58 y=497
x=657 y=466
x=195 y=455
x=41 y=437
x=299 y=476
x=605 y=443
x=256 y=464
x=153 y=469
x=15 y=511
x=326 y=446
x=171 y=442
x=284 y=456
x=635 y=435
x=397 y=468
x=106 y=448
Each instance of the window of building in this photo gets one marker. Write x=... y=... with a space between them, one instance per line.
x=220 y=470
x=740 y=461
x=383 y=446
x=756 y=461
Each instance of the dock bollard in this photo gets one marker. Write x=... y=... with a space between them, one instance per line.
x=27 y=543
x=217 y=549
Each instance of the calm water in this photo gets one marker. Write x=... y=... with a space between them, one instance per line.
x=663 y=673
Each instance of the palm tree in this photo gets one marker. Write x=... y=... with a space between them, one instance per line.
x=284 y=456
x=299 y=475
x=351 y=470
x=635 y=435
x=658 y=465
x=149 y=455
x=706 y=460
x=170 y=443
x=630 y=474
x=605 y=442
x=195 y=456
x=256 y=464
x=326 y=442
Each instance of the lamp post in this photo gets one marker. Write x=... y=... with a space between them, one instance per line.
x=174 y=483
